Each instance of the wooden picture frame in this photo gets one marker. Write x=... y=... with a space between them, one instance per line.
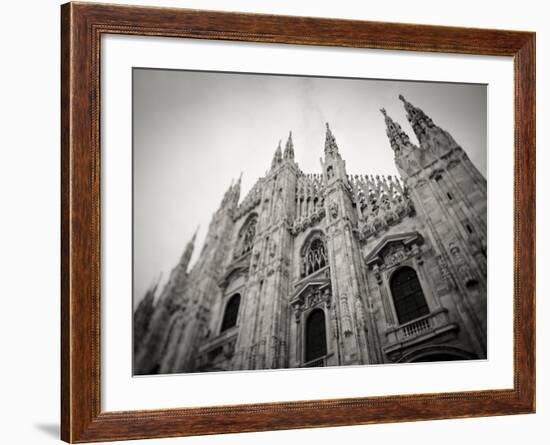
x=82 y=25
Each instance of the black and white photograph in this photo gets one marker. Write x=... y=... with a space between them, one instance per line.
x=285 y=221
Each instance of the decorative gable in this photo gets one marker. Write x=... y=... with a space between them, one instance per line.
x=393 y=249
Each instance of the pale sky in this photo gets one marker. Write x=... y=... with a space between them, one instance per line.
x=195 y=132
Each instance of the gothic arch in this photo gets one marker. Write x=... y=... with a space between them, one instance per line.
x=313 y=254
x=407 y=294
x=315 y=233
x=437 y=353
x=231 y=312
x=247 y=233
x=315 y=335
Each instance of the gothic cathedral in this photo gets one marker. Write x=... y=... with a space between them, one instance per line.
x=332 y=269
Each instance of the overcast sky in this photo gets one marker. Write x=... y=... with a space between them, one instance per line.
x=195 y=132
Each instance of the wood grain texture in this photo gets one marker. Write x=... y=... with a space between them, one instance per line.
x=81 y=28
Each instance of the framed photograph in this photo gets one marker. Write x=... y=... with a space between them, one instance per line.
x=274 y=222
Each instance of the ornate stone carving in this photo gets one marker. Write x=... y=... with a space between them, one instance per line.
x=360 y=313
x=309 y=298
x=303 y=223
x=445 y=273
x=272 y=248
x=377 y=274
x=334 y=323
x=314 y=257
x=246 y=237
x=461 y=264
x=346 y=318
x=333 y=209
x=395 y=254
x=255 y=260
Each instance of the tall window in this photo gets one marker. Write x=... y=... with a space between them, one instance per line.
x=316 y=338
x=246 y=237
x=407 y=295
x=231 y=312
x=315 y=257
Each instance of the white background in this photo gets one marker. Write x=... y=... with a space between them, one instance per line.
x=30 y=225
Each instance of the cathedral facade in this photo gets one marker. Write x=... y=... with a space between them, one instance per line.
x=332 y=269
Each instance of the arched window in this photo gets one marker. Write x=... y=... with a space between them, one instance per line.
x=314 y=258
x=408 y=297
x=231 y=312
x=316 y=338
x=246 y=237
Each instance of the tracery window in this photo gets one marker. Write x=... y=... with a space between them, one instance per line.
x=246 y=237
x=408 y=297
x=315 y=257
x=316 y=337
x=231 y=313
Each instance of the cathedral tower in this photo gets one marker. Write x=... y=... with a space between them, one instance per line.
x=352 y=342
x=449 y=196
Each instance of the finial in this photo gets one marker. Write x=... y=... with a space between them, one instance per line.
x=402 y=99
x=383 y=111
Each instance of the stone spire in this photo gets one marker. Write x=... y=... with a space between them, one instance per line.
x=433 y=139
x=331 y=148
x=236 y=193
x=399 y=140
x=277 y=157
x=188 y=252
x=227 y=195
x=418 y=119
x=289 y=148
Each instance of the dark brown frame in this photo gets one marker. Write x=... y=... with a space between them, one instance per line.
x=82 y=25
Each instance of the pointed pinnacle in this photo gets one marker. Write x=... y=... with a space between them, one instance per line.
x=383 y=111
x=289 y=147
x=331 y=147
x=238 y=183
